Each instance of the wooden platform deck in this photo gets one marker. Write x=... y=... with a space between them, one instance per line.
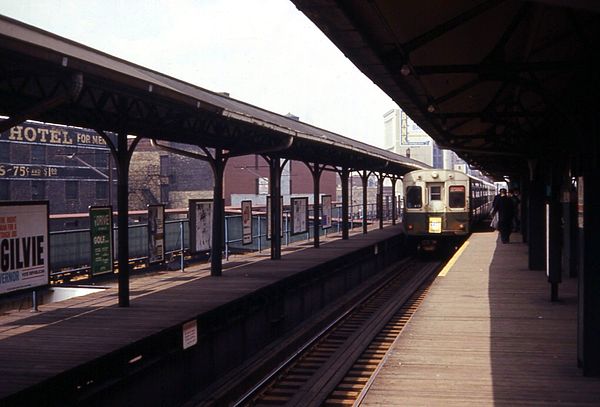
x=67 y=334
x=487 y=334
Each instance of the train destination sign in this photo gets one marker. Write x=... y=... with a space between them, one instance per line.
x=101 y=240
x=24 y=260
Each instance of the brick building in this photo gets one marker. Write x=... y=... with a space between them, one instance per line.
x=69 y=166
x=66 y=165
x=157 y=176
x=247 y=177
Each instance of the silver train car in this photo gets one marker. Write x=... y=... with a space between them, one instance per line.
x=442 y=204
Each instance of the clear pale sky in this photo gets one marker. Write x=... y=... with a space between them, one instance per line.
x=264 y=52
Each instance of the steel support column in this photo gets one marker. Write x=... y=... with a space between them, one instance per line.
x=524 y=209
x=553 y=236
x=380 y=180
x=344 y=177
x=394 y=203
x=123 y=154
x=123 y=219
x=365 y=178
x=218 y=215
x=316 y=170
x=569 y=216
x=275 y=192
x=536 y=225
x=589 y=271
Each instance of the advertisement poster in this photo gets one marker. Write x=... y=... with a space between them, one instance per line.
x=24 y=259
x=246 y=222
x=299 y=215
x=269 y=217
x=327 y=212
x=201 y=213
x=156 y=233
x=101 y=239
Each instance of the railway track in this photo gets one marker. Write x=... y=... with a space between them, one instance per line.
x=335 y=368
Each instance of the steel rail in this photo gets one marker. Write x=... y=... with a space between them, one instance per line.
x=407 y=275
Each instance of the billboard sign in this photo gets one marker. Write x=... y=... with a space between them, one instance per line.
x=246 y=222
x=299 y=215
x=101 y=239
x=201 y=214
x=24 y=257
x=327 y=216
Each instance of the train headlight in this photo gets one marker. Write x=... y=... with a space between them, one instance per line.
x=410 y=226
x=461 y=226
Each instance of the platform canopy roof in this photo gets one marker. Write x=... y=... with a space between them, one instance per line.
x=49 y=78
x=501 y=82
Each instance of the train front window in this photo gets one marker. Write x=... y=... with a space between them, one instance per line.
x=435 y=193
x=413 y=197
x=456 y=196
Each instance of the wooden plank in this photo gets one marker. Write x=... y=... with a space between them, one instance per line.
x=487 y=334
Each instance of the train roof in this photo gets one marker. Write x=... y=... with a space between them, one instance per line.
x=444 y=173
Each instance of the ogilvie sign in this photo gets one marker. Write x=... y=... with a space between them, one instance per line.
x=23 y=245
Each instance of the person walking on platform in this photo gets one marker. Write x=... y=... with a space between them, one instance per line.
x=505 y=208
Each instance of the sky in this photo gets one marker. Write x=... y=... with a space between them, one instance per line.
x=263 y=52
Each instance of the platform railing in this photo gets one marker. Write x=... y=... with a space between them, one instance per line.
x=70 y=250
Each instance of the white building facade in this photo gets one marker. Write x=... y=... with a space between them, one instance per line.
x=403 y=136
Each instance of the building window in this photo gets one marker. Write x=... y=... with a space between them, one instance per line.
x=4 y=190
x=165 y=166
x=4 y=153
x=38 y=154
x=101 y=190
x=38 y=190
x=262 y=186
x=101 y=159
x=164 y=193
x=71 y=189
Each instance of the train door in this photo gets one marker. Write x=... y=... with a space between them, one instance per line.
x=435 y=201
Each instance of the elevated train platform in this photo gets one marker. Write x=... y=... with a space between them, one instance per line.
x=488 y=334
x=88 y=351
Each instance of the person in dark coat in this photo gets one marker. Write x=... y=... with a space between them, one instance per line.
x=505 y=207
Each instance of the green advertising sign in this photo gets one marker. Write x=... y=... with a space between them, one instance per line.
x=101 y=239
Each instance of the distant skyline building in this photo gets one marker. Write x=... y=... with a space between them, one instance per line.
x=403 y=136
